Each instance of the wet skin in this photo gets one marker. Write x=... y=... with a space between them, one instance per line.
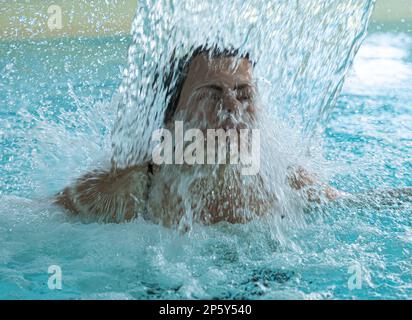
x=217 y=93
x=213 y=87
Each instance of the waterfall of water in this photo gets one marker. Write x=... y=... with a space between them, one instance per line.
x=303 y=50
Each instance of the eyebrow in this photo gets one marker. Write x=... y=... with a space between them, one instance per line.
x=220 y=89
x=212 y=86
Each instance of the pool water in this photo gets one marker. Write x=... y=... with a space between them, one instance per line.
x=55 y=108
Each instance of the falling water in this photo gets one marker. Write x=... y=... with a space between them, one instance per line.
x=303 y=50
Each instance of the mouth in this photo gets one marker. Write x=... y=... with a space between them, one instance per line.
x=231 y=123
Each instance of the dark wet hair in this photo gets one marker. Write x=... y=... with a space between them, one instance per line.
x=175 y=78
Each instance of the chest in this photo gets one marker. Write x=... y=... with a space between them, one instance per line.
x=207 y=197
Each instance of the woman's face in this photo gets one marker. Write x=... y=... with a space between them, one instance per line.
x=218 y=93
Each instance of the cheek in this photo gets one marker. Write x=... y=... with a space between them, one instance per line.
x=250 y=108
x=252 y=111
x=210 y=112
x=196 y=111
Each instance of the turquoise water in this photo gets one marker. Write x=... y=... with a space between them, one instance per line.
x=55 y=111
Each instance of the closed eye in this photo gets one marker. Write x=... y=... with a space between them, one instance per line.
x=244 y=93
x=209 y=93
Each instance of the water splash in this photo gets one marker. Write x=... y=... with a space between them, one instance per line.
x=303 y=50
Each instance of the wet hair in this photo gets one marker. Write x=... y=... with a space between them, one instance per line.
x=175 y=78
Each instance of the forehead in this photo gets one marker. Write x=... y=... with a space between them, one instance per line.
x=228 y=71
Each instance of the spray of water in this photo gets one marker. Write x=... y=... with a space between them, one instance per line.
x=301 y=50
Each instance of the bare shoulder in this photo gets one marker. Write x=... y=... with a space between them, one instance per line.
x=108 y=195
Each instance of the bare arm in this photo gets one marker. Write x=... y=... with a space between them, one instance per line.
x=300 y=179
x=110 y=196
x=381 y=199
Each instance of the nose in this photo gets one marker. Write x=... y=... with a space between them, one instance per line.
x=230 y=103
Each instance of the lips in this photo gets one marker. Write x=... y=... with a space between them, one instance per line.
x=231 y=123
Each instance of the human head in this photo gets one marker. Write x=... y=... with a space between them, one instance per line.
x=211 y=85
